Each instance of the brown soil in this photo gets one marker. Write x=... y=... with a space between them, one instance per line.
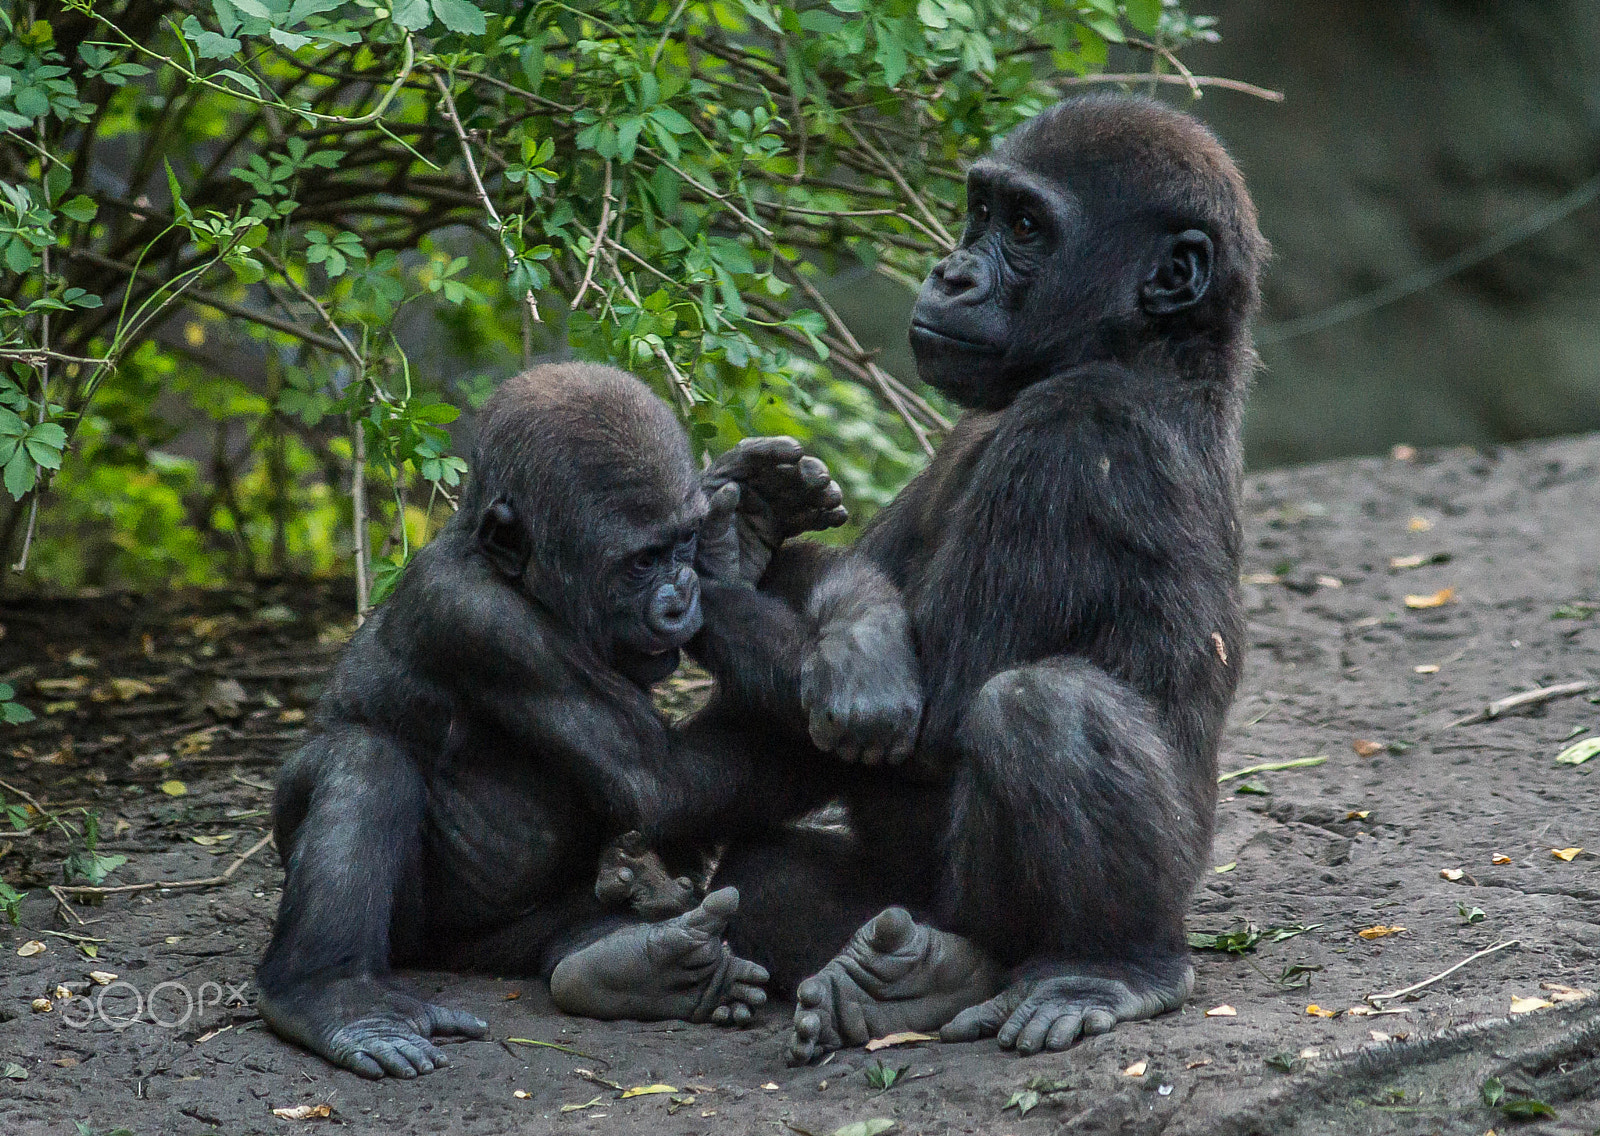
x=1346 y=845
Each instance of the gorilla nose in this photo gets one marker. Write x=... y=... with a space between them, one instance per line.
x=675 y=613
x=962 y=277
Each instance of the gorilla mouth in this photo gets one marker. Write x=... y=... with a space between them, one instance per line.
x=965 y=344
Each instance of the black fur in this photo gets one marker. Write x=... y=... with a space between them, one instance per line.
x=490 y=728
x=1069 y=563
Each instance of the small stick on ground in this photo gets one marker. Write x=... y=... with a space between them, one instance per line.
x=60 y=890
x=1518 y=701
x=1412 y=989
x=1274 y=767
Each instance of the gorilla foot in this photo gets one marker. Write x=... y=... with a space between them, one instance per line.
x=367 y=1026
x=895 y=974
x=679 y=969
x=1053 y=1012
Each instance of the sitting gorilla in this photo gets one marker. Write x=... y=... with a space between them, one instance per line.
x=490 y=729
x=1069 y=562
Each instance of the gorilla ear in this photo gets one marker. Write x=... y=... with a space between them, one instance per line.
x=502 y=539
x=1182 y=274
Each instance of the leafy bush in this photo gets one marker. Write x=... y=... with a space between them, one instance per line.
x=313 y=184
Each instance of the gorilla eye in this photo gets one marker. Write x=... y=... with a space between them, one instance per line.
x=980 y=213
x=1024 y=228
x=646 y=560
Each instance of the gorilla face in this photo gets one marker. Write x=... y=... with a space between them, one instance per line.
x=655 y=602
x=1042 y=281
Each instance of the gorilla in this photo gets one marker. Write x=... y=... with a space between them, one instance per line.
x=489 y=730
x=1030 y=794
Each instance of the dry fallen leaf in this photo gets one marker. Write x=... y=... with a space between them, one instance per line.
x=770 y=1086
x=1358 y=814
x=1380 y=931
x=291 y=717
x=173 y=788
x=1366 y=747
x=513 y=995
x=1565 y=853
x=31 y=947
x=41 y=1005
x=1437 y=599
x=1499 y=858
x=1579 y=752
x=151 y=760
x=61 y=687
x=905 y=1037
x=121 y=690
x=1222 y=1011
x=102 y=977
x=1403 y=452
x=580 y=1107
x=213 y=841
x=1451 y=874
x=1317 y=1011
x=1197 y=1064
x=1419 y=524
x=1400 y=562
x=523 y=1094
x=1136 y=1069
x=304 y=1111
x=1528 y=1005
x=1427 y=669
x=197 y=742
x=1377 y=1035
x=1560 y=993
x=647 y=1090
x=1259 y=578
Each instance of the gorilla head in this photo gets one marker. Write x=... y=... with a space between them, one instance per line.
x=585 y=496
x=1102 y=228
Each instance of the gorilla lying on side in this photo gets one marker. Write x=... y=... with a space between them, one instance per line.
x=489 y=730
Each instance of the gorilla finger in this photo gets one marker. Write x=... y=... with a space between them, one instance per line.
x=902 y=747
x=391 y=1059
x=872 y=753
x=982 y=1020
x=847 y=750
x=1032 y=1038
x=415 y=1053
x=723 y=503
x=853 y=1023
x=746 y=995
x=361 y=1065
x=742 y=1015
x=825 y=730
x=1017 y=1022
x=1098 y=1021
x=715 y=909
x=833 y=518
x=444 y=1020
x=720 y=1016
x=750 y=973
x=814 y=472
x=1065 y=1031
x=778 y=446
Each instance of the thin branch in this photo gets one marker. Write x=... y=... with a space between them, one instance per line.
x=483 y=194
x=348 y=349
x=60 y=890
x=1178 y=80
x=1414 y=987
x=899 y=179
x=600 y=232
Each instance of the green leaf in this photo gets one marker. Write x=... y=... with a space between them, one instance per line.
x=291 y=40
x=1527 y=1109
x=80 y=208
x=1144 y=14
x=413 y=15
x=460 y=16
x=1579 y=752
x=1493 y=1089
x=1023 y=1101
x=19 y=474
x=32 y=102
x=873 y=1127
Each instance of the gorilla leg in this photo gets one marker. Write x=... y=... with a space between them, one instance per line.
x=348 y=824
x=1076 y=836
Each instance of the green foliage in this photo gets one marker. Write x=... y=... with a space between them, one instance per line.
x=12 y=712
x=319 y=187
x=884 y=1077
x=86 y=865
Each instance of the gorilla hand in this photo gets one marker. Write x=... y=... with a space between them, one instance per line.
x=367 y=1026
x=782 y=492
x=861 y=688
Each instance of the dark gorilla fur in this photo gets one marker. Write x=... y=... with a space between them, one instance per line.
x=490 y=729
x=1069 y=562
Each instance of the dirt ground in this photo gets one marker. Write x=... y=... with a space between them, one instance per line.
x=1337 y=658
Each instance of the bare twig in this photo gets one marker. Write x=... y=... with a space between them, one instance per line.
x=33 y=356
x=899 y=180
x=483 y=194
x=599 y=240
x=349 y=349
x=1519 y=701
x=1180 y=80
x=1412 y=989
x=1274 y=767
x=358 y=504
x=167 y=885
